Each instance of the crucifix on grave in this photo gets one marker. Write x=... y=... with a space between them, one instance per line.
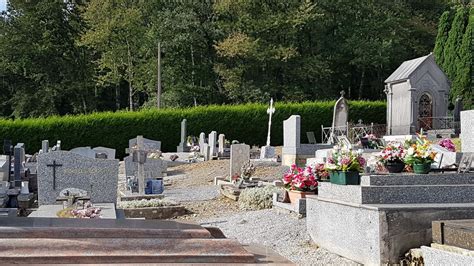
x=139 y=155
x=54 y=165
x=268 y=151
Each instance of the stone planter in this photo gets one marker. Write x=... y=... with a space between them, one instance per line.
x=423 y=168
x=155 y=212
x=295 y=195
x=395 y=167
x=345 y=178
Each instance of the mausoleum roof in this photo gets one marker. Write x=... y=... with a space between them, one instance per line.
x=406 y=69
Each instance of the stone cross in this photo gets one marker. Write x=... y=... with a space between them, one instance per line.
x=270 y=112
x=54 y=165
x=141 y=161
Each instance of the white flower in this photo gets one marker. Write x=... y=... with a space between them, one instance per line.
x=411 y=151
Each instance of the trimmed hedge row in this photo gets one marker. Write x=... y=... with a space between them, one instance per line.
x=246 y=123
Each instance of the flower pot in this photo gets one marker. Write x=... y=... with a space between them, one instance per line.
x=295 y=195
x=422 y=168
x=345 y=178
x=394 y=167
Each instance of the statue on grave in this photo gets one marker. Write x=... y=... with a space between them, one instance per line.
x=340 y=118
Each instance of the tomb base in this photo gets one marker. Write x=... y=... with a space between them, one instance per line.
x=381 y=219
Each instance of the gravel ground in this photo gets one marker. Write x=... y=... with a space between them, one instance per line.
x=191 y=194
x=284 y=233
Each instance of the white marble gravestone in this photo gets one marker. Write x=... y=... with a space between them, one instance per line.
x=467 y=131
x=239 y=154
x=63 y=169
x=202 y=140
x=339 y=118
x=221 y=143
x=212 y=144
x=417 y=91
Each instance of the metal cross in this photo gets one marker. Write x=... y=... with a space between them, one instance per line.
x=270 y=112
x=54 y=165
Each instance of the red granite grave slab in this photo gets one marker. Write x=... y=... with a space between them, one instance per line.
x=117 y=250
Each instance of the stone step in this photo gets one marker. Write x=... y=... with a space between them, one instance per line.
x=117 y=250
x=397 y=194
x=418 y=179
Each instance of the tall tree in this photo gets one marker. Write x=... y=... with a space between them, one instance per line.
x=463 y=85
x=451 y=50
x=444 y=26
x=43 y=68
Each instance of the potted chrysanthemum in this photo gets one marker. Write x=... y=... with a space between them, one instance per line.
x=344 y=166
x=392 y=157
x=300 y=182
x=420 y=155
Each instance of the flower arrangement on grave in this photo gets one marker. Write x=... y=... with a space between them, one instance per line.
x=371 y=141
x=419 y=154
x=392 y=157
x=320 y=171
x=299 y=182
x=447 y=144
x=344 y=166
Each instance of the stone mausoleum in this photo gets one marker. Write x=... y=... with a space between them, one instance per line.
x=417 y=94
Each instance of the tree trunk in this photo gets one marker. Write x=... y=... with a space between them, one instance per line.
x=361 y=84
x=130 y=88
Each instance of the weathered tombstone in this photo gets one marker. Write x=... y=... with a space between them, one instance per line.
x=183 y=144
x=340 y=117
x=221 y=143
x=417 y=91
x=206 y=152
x=212 y=144
x=63 y=169
x=239 y=155
x=202 y=140
x=84 y=151
x=152 y=168
x=45 y=146
x=268 y=151
x=311 y=137
x=19 y=154
x=110 y=152
x=148 y=144
x=467 y=131
x=457 y=115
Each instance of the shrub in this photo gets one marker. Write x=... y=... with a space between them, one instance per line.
x=146 y=203
x=246 y=123
x=257 y=198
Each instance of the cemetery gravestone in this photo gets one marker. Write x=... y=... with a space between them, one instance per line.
x=221 y=144
x=202 y=140
x=183 y=147
x=148 y=144
x=63 y=169
x=84 y=151
x=212 y=144
x=340 y=117
x=110 y=152
x=467 y=131
x=45 y=146
x=19 y=154
x=206 y=152
x=239 y=155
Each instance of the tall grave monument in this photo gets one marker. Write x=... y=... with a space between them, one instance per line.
x=417 y=92
x=268 y=151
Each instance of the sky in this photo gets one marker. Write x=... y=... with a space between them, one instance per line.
x=3 y=5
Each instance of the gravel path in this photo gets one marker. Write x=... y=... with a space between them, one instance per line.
x=284 y=233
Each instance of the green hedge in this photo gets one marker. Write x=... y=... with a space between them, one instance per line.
x=246 y=123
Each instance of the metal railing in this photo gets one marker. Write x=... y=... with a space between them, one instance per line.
x=439 y=125
x=353 y=132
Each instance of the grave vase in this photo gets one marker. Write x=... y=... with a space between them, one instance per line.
x=422 y=168
x=344 y=178
x=394 y=167
x=296 y=195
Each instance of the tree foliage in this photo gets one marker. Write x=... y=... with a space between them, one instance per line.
x=444 y=26
x=65 y=57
